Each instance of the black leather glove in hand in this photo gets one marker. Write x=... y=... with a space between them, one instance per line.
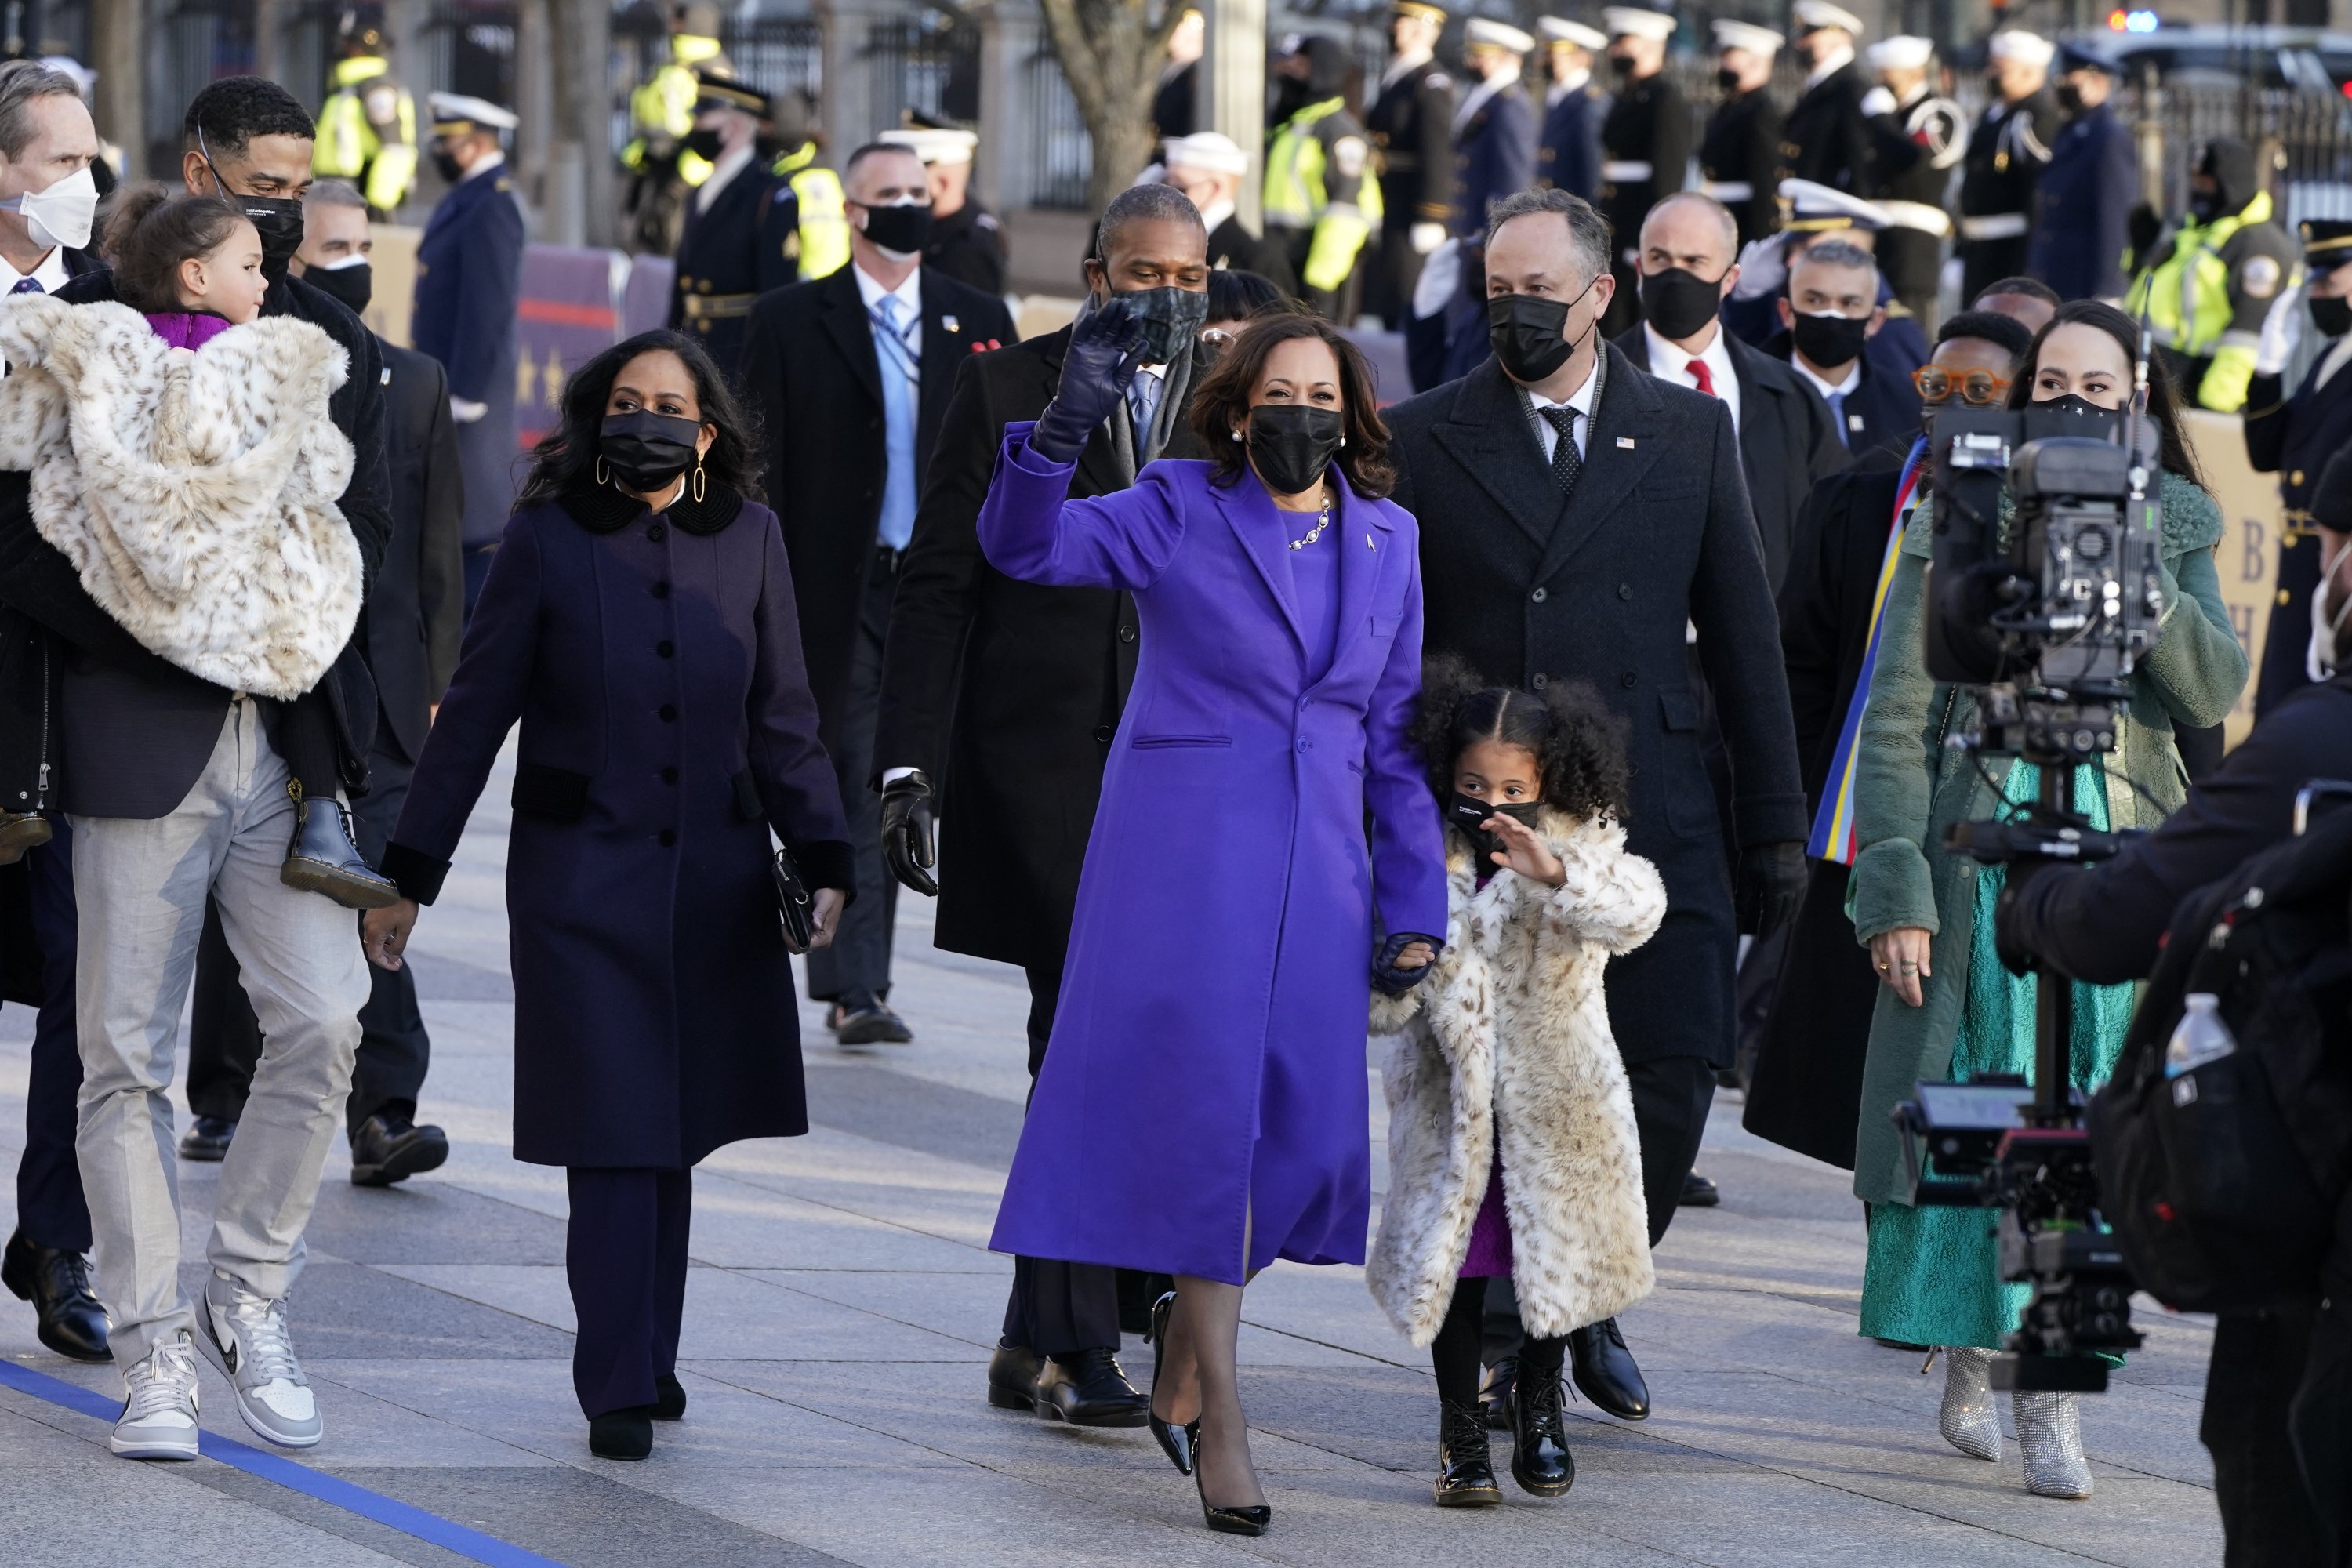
x=1387 y=976
x=1771 y=882
x=907 y=844
x=1106 y=345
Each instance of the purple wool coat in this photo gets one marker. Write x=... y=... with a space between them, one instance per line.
x=1206 y=1074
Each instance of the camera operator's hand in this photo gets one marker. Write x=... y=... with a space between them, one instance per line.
x=1900 y=956
x=1106 y=347
x=1771 y=882
x=908 y=847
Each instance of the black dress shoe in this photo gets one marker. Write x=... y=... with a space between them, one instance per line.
x=1495 y=1393
x=58 y=1284
x=1606 y=1373
x=206 y=1139
x=874 y=1024
x=1466 y=1469
x=622 y=1434
x=1090 y=1388
x=670 y=1397
x=388 y=1147
x=1179 y=1443
x=1698 y=1193
x=1012 y=1377
x=1232 y=1520
x=1540 y=1461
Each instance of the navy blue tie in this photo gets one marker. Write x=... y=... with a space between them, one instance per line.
x=28 y=286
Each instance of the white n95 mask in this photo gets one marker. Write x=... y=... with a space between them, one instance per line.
x=61 y=215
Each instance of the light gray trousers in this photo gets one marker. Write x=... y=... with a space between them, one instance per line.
x=141 y=887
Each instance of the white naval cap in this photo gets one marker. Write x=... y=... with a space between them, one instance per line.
x=1812 y=208
x=456 y=113
x=1559 y=31
x=1496 y=35
x=1631 y=22
x=1906 y=52
x=1756 y=40
x=1816 y=14
x=2026 y=48
x=933 y=145
x=1210 y=150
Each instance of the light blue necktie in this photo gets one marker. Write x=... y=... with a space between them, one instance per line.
x=1837 y=417
x=900 y=376
x=28 y=286
x=1142 y=404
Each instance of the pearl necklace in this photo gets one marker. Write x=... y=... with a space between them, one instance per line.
x=1316 y=532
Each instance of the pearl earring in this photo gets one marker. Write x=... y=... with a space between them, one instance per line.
x=1237 y=435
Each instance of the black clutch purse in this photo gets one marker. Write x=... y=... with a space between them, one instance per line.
x=794 y=905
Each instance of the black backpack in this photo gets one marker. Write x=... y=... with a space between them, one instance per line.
x=2223 y=1184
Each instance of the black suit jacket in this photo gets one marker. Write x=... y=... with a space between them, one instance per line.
x=416 y=607
x=1006 y=693
x=1600 y=587
x=1881 y=413
x=136 y=730
x=1786 y=443
x=809 y=368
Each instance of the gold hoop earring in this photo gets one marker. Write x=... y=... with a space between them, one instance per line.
x=697 y=481
x=603 y=477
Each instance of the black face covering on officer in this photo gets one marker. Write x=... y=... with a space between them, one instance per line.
x=646 y=450
x=1291 y=444
x=2331 y=316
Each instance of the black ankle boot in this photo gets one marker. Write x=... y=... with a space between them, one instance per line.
x=622 y=1434
x=20 y=831
x=323 y=859
x=1465 y=1471
x=1540 y=1461
x=670 y=1397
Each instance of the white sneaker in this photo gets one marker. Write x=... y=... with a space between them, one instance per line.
x=245 y=1336
x=159 y=1405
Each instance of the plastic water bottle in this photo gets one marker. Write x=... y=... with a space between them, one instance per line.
x=2201 y=1037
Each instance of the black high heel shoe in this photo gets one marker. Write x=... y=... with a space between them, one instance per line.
x=1179 y=1443
x=1232 y=1520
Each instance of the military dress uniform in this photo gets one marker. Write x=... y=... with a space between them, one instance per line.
x=1826 y=138
x=1645 y=146
x=1494 y=154
x=1918 y=142
x=1740 y=160
x=1568 y=155
x=2001 y=166
x=741 y=238
x=2082 y=220
x=1411 y=128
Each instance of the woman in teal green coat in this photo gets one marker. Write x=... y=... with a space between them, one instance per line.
x=1947 y=1008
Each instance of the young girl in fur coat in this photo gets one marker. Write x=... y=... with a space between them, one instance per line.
x=1512 y=1150
x=183 y=458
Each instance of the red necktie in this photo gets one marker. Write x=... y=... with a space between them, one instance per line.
x=1698 y=373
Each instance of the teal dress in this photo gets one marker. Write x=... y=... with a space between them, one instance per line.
x=1934 y=1275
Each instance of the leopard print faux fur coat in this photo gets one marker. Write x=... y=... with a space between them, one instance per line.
x=1507 y=1043
x=193 y=492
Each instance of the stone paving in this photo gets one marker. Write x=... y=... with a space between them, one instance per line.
x=838 y=1319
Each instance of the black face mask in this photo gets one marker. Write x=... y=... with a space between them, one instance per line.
x=446 y=164
x=903 y=229
x=2205 y=206
x=1831 y=340
x=1524 y=330
x=1171 y=319
x=646 y=450
x=1620 y=66
x=1727 y=80
x=2069 y=97
x=1290 y=96
x=2083 y=418
x=278 y=220
x=1290 y=445
x=353 y=285
x=1678 y=302
x=703 y=142
x=2331 y=316
x=1466 y=814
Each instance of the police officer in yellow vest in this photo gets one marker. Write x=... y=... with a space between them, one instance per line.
x=661 y=115
x=1322 y=199
x=2208 y=284
x=367 y=127
x=824 y=219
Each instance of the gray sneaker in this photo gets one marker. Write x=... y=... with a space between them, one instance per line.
x=245 y=1336
x=159 y=1405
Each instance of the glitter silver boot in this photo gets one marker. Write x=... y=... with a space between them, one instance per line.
x=1969 y=1420
x=2050 y=1436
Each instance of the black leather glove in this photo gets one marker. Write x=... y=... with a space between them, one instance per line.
x=1387 y=977
x=2007 y=945
x=1106 y=346
x=908 y=847
x=1772 y=883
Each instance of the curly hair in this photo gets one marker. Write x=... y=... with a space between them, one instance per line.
x=1578 y=743
x=566 y=455
x=1220 y=402
x=148 y=234
x=224 y=116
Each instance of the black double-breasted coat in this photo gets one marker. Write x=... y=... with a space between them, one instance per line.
x=810 y=369
x=653 y=663
x=1826 y=137
x=1601 y=586
x=1739 y=158
x=745 y=243
x=1005 y=693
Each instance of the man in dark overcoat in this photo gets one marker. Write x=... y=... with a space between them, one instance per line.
x=1568 y=151
x=1829 y=314
x=999 y=702
x=1411 y=126
x=1740 y=155
x=742 y=224
x=1645 y=141
x=850 y=375
x=1579 y=519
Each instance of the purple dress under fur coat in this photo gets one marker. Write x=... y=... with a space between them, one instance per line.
x=1206 y=1076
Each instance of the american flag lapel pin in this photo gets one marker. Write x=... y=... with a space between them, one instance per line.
x=1625 y=443
x=950 y=323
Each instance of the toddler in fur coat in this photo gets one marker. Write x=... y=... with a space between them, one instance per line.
x=1512 y=1150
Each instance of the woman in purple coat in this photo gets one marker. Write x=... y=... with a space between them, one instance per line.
x=638 y=620
x=1202 y=1117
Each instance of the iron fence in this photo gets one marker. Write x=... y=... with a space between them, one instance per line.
x=1061 y=153
x=777 y=54
x=193 y=43
x=929 y=62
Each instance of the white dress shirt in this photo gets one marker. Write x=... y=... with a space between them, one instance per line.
x=1672 y=363
x=1215 y=214
x=1581 y=400
x=729 y=164
x=1559 y=89
x=1411 y=60
x=49 y=272
x=1851 y=380
x=1829 y=67
x=909 y=296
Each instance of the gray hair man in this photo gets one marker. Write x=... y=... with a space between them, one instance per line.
x=1829 y=314
x=49 y=196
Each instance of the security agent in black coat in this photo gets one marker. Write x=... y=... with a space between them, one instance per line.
x=812 y=372
x=742 y=226
x=1877 y=418
x=1004 y=696
x=1653 y=536
x=2293 y=437
x=1411 y=126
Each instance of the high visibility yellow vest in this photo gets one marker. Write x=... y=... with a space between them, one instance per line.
x=662 y=106
x=825 y=217
x=1298 y=196
x=2185 y=298
x=349 y=145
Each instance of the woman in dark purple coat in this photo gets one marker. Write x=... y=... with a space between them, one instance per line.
x=1202 y=1109
x=638 y=620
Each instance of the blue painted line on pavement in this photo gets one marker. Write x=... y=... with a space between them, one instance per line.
x=336 y=1492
